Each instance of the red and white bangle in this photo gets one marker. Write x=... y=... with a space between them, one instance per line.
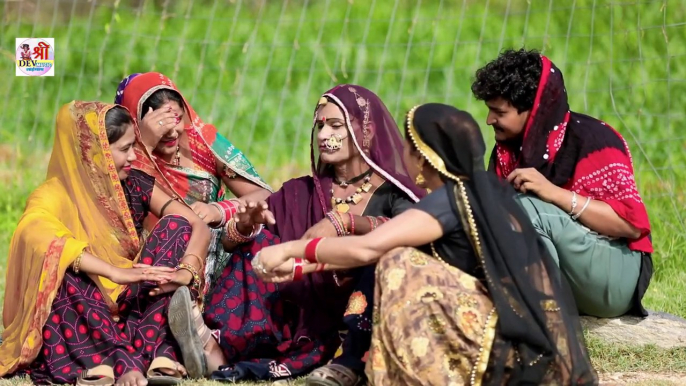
x=352 y=223
x=298 y=266
x=227 y=208
x=320 y=267
x=311 y=250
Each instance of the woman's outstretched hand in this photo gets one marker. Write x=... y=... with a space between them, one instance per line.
x=253 y=213
x=179 y=278
x=530 y=180
x=141 y=273
x=281 y=274
x=273 y=262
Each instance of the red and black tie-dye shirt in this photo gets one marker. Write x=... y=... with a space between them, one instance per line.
x=578 y=153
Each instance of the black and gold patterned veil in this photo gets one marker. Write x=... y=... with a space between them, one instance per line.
x=536 y=324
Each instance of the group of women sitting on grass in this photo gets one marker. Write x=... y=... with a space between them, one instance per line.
x=396 y=262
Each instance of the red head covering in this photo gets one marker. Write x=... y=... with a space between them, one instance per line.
x=211 y=152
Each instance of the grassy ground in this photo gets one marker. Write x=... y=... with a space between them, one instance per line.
x=256 y=72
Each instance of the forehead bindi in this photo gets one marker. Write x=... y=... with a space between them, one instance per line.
x=175 y=108
x=329 y=111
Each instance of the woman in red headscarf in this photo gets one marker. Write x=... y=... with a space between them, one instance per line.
x=189 y=159
x=577 y=180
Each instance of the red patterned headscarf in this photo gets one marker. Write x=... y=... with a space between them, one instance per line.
x=578 y=153
x=211 y=152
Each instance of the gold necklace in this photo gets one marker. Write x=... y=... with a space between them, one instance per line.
x=343 y=204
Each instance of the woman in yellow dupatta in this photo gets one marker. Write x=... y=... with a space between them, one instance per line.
x=86 y=299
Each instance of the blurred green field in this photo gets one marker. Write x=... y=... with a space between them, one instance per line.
x=256 y=69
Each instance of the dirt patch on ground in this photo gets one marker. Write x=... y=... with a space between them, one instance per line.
x=642 y=378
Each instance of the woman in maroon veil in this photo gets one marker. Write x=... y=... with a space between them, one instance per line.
x=260 y=331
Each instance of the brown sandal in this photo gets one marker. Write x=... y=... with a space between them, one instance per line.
x=333 y=375
x=157 y=377
x=102 y=375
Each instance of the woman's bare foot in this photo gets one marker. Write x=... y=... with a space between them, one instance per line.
x=132 y=378
x=172 y=372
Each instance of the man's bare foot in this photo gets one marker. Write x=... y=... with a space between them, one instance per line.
x=132 y=378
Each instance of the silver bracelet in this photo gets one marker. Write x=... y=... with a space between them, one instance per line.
x=583 y=208
x=571 y=212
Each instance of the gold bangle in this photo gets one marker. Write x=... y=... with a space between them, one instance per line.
x=195 y=283
x=201 y=261
x=233 y=235
x=76 y=265
x=340 y=220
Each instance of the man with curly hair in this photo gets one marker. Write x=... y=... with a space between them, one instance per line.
x=576 y=180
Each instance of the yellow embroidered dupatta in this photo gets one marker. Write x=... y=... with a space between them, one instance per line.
x=81 y=205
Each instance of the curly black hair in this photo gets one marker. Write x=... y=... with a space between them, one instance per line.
x=513 y=75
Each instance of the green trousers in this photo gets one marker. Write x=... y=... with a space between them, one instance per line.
x=603 y=273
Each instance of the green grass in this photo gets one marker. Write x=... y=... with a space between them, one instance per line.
x=298 y=382
x=257 y=72
x=609 y=358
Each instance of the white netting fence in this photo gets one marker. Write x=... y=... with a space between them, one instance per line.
x=255 y=68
